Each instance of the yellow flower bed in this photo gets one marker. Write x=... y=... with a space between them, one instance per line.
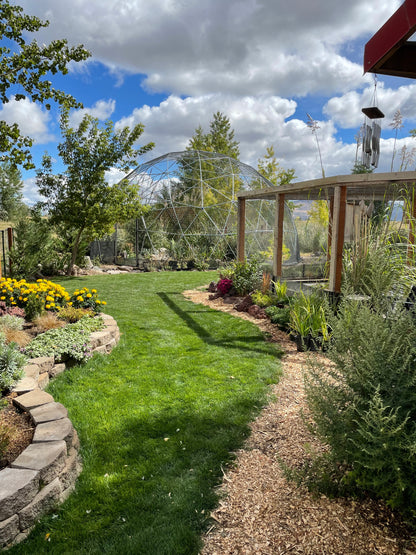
x=46 y=293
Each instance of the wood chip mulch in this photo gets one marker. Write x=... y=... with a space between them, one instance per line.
x=19 y=428
x=261 y=512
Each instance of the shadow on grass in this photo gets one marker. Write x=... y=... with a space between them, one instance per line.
x=151 y=487
x=235 y=342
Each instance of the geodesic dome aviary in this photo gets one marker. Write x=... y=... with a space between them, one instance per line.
x=192 y=200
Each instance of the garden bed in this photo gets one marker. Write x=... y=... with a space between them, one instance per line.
x=261 y=511
x=41 y=464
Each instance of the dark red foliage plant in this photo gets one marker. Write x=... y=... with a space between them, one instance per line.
x=224 y=286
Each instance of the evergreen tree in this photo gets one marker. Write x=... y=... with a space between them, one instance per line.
x=220 y=138
x=11 y=199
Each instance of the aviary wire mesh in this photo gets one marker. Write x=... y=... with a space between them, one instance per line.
x=193 y=208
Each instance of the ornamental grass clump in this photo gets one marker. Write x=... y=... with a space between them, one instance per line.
x=12 y=329
x=70 y=342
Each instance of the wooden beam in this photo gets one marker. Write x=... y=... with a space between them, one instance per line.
x=383 y=47
x=371 y=186
x=338 y=227
x=278 y=235
x=330 y=222
x=241 y=229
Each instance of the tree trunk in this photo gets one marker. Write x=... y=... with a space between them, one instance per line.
x=74 y=252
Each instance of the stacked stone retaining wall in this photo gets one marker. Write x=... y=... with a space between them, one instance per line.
x=44 y=474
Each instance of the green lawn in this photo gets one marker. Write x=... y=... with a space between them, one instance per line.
x=157 y=419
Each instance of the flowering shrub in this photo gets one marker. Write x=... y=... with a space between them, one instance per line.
x=68 y=342
x=224 y=285
x=84 y=298
x=33 y=298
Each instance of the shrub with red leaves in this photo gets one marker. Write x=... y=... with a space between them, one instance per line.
x=224 y=286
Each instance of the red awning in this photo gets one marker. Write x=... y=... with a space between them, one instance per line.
x=389 y=52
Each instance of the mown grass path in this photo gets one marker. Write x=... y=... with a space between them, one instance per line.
x=157 y=419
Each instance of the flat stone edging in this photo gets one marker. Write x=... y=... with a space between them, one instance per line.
x=44 y=474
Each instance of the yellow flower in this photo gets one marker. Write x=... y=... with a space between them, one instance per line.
x=103 y=302
x=70 y=304
x=89 y=296
x=93 y=290
x=80 y=299
x=47 y=306
x=2 y=298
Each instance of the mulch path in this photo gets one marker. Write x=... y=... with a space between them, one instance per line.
x=261 y=512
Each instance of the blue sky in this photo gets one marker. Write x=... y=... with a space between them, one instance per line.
x=170 y=64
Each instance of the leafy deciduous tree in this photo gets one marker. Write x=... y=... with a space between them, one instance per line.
x=25 y=67
x=80 y=199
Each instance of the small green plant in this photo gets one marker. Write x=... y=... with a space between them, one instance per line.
x=280 y=291
x=11 y=322
x=308 y=318
x=11 y=365
x=34 y=307
x=68 y=342
x=263 y=299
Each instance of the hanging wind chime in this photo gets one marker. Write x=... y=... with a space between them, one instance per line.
x=372 y=132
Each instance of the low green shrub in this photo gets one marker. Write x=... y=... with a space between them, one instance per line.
x=68 y=342
x=12 y=362
x=279 y=316
x=364 y=405
x=246 y=276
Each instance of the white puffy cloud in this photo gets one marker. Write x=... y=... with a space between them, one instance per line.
x=248 y=59
x=30 y=191
x=257 y=122
x=345 y=110
x=237 y=47
x=30 y=117
x=101 y=110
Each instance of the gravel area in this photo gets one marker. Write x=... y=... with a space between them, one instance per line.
x=262 y=513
